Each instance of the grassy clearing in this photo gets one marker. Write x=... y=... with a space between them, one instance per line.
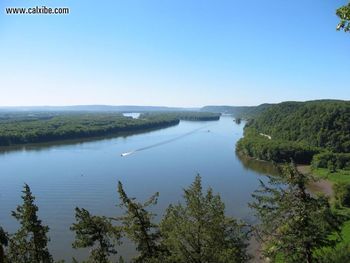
x=340 y=176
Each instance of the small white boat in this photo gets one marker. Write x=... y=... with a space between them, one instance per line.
x=126 y=154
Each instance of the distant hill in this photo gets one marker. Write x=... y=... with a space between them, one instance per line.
x=246 y=112
x=321 y=123
x=97 y=108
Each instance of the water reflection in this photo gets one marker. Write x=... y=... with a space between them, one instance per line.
x=261 y=167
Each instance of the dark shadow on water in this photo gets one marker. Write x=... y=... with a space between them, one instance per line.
x=261 y=167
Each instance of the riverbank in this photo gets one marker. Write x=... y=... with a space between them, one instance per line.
x=325 y=185
x=36 y=128
x=321 y=185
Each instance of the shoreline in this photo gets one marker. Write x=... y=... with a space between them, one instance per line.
x=319 y=185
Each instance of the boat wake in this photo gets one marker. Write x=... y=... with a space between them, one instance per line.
x=126 y=154
x=163 y=142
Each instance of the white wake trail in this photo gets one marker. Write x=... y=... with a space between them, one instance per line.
x=163 y=142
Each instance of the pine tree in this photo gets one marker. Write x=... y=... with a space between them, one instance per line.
x=3 y=242
x=294 y=223
x=29 y=243
x=97 y=233
x=199 y=231
x=138 y=226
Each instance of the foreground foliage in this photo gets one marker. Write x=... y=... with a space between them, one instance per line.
x=294 y=223
x=196 y=231
x=344 y=14
x=138 y=225
x=295 y=227
x=199 y=231
x=3 y=243
x=96 y=232
x=29 y=243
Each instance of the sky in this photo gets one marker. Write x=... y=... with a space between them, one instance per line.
x=186 y=53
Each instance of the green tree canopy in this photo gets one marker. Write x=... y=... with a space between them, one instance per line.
x=199 y=231
x=96 y=232
x=3 y=242
x=139 y=226
x=344 y=14
x=29 y=243
x=294 y=223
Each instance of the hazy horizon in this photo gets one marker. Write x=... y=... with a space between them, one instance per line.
x=151 y=105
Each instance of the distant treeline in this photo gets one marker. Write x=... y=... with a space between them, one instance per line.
x=75 y=126
x=298 y=131
x=20 y=128
x=244 y=112
x=187 y=115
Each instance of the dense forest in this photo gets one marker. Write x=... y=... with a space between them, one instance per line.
x=298 y=130
x=244 y=112
x=295 y=226
x=19 y=128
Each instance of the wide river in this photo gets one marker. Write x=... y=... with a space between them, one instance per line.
x=85 y=174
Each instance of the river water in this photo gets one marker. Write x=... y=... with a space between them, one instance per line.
x=85 y=174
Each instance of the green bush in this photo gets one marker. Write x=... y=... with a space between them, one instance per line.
x=342 y=194
x=331 y=160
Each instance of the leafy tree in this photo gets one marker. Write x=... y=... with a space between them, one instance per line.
x=3 y=242
x=97 y=233
x=342 y=194
x=29 y=243
x=340 y=254
x=199 y=231
x=294 y=223
x=331 y=167
x=138 y=226
x=344 y=14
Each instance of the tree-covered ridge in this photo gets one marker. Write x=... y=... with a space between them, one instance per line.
x=276 y=150
x=19 y=128
x=324 y=123
x=246 y=112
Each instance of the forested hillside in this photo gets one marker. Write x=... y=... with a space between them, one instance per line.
x=298 y=129
x=323 y=124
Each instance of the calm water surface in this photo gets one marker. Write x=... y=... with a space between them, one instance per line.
x=86 y=174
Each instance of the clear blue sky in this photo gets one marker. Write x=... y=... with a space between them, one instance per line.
x=173 y=52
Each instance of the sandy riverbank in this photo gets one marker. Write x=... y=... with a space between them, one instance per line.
x=321 y=185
